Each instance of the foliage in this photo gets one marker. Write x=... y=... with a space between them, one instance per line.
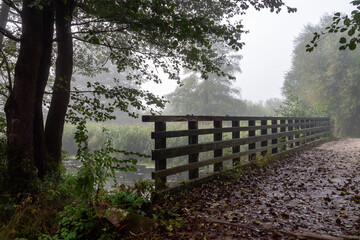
x=139 y=37
x=132 y=138
x=213 y=96
x=128 y=201
x=100 y=164
x=326 y=80
x=350 y=25
x=261 y=108
x=32 y=215
x=58 y=211
x=294 y=107
x=207 y=97
x=79 y=221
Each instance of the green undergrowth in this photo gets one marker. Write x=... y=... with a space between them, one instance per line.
x=58 y=211
x=78 y=206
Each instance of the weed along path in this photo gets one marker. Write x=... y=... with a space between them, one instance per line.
x=311 y=195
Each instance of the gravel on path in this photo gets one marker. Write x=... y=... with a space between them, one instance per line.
x=314 y=194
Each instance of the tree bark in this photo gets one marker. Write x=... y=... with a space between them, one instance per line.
x=61 y=90
x=40 y=150
x=19 y=107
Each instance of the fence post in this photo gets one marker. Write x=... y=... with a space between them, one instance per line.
x=312 y=131
x=235 y=135
x=264 y=132
x=252 y=134
x=160 y=164
x=307 y=126
x=275 y=140
x=303 y=127
x=283 y=129
x=297 y=135
x=218 y=152
x=290 y=129
x=194 y=173
x=316 y=125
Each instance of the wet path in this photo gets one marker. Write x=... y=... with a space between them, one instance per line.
x=311 y=195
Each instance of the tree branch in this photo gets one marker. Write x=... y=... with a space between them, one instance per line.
x=77 y=91
x=9 y=35
x=13 y=6
x=8 y=70
x=101 y=31
x=101 y=44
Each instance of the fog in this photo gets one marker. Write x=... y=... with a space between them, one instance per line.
x=268 y=47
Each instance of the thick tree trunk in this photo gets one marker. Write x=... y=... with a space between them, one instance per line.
x=40 y=151
x=61 y=90
x=19 y=107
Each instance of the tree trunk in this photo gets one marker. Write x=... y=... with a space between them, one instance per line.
x=61 y=90
x=40 y=152
x=19 y=107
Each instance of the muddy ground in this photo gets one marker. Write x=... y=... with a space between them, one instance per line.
x=314 y=194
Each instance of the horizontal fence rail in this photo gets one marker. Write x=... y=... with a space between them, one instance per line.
x=238 y=139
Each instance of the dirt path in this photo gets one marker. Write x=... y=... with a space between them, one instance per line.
x=314 y=193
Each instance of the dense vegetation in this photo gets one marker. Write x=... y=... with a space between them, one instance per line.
x=45 y=43
x=325 y=82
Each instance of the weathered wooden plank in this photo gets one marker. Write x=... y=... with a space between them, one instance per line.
x=264 y=132
x=192 y=132
x=173 y=118
x=207 y=162
x=307 y=126
x=297 y=135
x=236 y=135
x=193 y=158
x=274 y=141
x=252 y=145
x=204 y=147
x=290 y=128
x=160 y=163
x=218 y=152
x=283 y=129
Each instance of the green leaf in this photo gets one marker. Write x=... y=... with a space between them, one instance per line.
x=352 y=45
x=351 y=31
x=342 y=47
x=342 y=40
x=175 y=44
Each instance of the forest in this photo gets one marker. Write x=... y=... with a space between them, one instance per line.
x=72 y=75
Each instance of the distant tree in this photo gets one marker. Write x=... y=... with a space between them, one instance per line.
x=212 y=96
x=326 y=80
x=262 y=108
x=271 y=105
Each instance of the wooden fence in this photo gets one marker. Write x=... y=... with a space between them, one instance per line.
x=251 y=137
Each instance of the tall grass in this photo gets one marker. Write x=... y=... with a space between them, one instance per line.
x=135 y=138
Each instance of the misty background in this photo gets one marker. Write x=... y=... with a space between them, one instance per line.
x=271 y=79
x=269 y=46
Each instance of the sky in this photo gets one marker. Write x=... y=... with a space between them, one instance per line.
x=269 y=45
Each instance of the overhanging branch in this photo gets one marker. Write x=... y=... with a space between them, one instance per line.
x=13 y=6
x=7 y=69
x=9 y=35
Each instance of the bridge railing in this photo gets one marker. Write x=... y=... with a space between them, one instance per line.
x=251 y=138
